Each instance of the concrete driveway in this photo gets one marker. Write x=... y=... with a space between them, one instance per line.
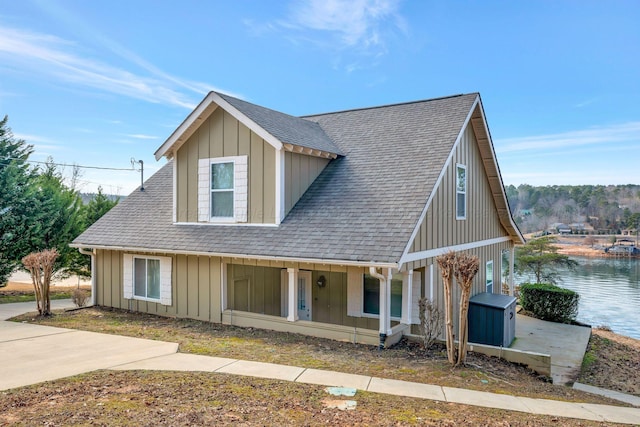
x=31 y=354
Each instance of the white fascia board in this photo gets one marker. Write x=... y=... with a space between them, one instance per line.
x=188 y=122
x=423 y=214
x=241 y=256
x=415 y=256
x=214 y=98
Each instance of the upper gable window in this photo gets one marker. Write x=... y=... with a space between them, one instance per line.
x=461 y=191
x=222 y=189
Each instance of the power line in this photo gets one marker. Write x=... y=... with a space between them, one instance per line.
x=70 y=165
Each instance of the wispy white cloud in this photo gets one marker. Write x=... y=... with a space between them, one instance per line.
x=141 y=136
x=625 y=132
x=356 y=22
x=60 y=60
x=360 y=28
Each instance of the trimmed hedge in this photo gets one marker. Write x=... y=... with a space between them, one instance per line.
x=549 y=302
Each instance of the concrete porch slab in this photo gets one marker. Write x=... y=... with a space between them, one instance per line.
x=566 y=344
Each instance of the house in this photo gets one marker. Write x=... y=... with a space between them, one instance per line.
x=326 y=225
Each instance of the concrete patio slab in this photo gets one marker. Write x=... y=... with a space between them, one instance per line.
x=404 y=388
x=262 y=370
x=178 y=362
x=335 y=379
x=565 y=343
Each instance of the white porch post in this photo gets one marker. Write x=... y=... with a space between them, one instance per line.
x=512 y=258
x=385 y=304
x=223 y=287
x=292 y=289
x=407 y=297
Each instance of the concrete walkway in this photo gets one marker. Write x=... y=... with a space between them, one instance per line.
x=32 y=354
x=566 y=344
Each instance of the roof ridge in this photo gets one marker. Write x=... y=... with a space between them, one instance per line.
x=389 y=105
x=223 y=95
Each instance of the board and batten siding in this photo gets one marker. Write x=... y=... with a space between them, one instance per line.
x=329 y=303
x=436 y=287
x=300 y=171
x=221 y=135
x=440 y=228
x=195 y=286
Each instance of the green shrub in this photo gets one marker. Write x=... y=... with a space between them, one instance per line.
x=549 y=302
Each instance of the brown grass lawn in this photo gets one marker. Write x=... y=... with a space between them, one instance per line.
x=174 y=398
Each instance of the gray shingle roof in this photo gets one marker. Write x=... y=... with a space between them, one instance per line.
x=363 y=206
x=287 y=129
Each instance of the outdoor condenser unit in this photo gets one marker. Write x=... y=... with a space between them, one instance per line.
x=492 y=319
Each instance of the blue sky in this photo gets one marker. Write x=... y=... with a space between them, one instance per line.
x=100 y=82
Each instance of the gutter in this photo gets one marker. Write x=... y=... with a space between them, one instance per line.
x=324 y=261
x=92 y=254
x=373 y=272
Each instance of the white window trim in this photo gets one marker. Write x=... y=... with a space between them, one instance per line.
x=374 y=316
x=165 y=278
x=240 y=189
x=486 y=279
x=464 y=167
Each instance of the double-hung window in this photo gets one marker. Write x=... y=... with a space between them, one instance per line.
x=146 y=278
x=371 y=296
x=461 y=191
x=222 y=190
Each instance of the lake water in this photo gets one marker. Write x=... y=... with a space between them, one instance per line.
x=609 y=291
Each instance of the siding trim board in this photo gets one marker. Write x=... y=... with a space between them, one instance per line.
x=415 y=256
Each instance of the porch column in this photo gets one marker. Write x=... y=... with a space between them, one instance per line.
x=407 y=297
x=292 y=291
x=512 y=257
x=385 y=304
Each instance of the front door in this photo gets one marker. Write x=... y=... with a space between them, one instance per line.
x=304 y=295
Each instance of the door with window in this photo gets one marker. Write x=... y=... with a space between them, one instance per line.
x=304 y=295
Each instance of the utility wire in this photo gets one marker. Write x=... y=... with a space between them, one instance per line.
x=69 y=165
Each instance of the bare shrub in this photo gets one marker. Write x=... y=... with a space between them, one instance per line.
x=430 y=322
x=80 y=297
x=40 y=265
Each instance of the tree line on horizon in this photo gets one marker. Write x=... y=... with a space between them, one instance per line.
x=608 y=209
x=39 y=210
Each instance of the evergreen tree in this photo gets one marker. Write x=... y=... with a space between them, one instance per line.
x=15 y=191
x=540 y=257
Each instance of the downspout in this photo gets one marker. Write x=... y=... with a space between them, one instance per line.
x=373 y=272
x=92 y=254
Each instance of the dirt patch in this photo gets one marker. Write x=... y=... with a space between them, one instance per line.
x=186 y=399
x=612 y=361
